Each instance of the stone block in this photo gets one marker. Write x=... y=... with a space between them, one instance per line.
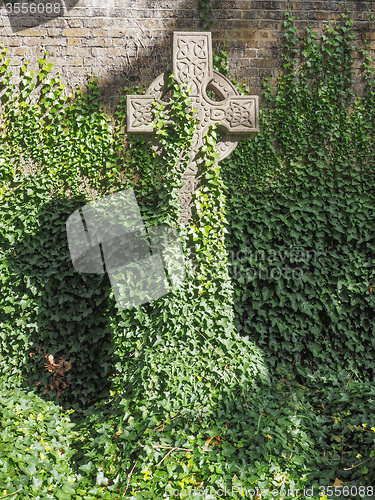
x=54 y=32
x=100 y=32
x=74 y=60
x=76 y=32
x=265 y=63
x=34 y=32
x=74 y=42
x=99 y=52
x=78 y=51
x=59 y=62
x=56 y=41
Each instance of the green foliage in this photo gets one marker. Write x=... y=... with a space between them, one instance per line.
x=301 y=214
x=205 y=8
x=35 y=448
x=174 y=394
x=57 y=153
x=305 y=270
x=69 y=138
x=220 y=60
x=61 y=331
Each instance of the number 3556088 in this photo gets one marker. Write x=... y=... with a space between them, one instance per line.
x=347 y=491
x=33 y=8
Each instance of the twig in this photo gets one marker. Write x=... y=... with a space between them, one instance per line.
x=221 y=376
x=132 y=354
x=165 y=456
x=260 y=416
x=169 y=452
x=129 y=477
x=172 y=448
x=354 y=466
x=10 y=494
x=161 y=446
x=244 y=397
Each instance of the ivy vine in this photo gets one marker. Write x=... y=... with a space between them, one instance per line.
x=205 y=12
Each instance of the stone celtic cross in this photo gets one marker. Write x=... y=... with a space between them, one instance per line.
x=235 y=116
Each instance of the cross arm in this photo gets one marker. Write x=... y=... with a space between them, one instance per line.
x=139 y=114
x=238 y=114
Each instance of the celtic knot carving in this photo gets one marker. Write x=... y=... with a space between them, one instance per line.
x=238 y=114
x=192 y=50
x=192 y=60
x=142 y=113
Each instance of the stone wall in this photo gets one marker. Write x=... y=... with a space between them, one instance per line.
x=128 y=42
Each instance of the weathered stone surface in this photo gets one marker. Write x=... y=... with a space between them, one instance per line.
x=235 y=115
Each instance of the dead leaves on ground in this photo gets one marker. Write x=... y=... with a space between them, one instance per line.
x=58 y=372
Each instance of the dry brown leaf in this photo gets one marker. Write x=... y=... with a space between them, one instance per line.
x=214 y=443
x=338 y=482
x=58 y=371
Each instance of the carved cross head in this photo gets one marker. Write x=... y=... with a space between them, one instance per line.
x=215 y=98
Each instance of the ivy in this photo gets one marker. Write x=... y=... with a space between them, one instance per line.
x=36 y=441
x=57 y=154
x=311 y=211
x=257 y=371
x=205 y=8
